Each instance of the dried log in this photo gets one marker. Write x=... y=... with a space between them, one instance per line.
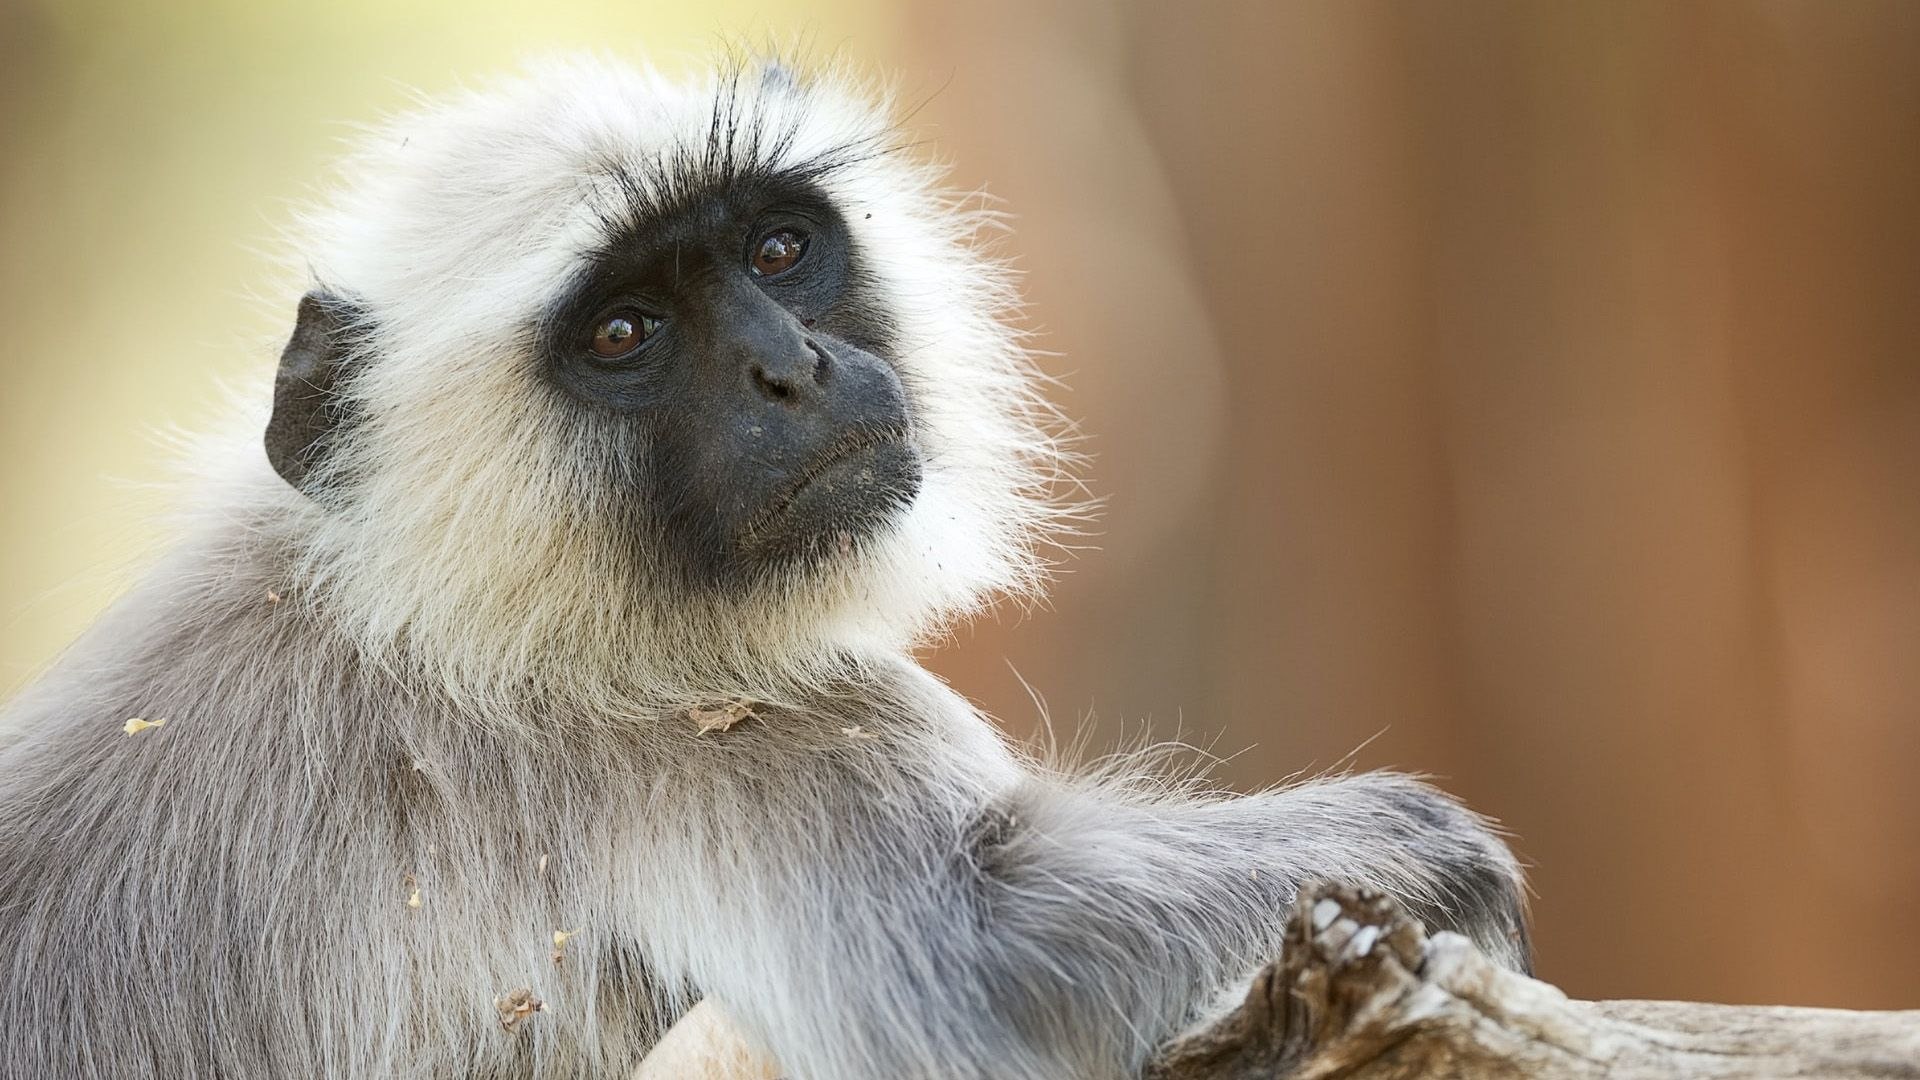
x=1362 y=993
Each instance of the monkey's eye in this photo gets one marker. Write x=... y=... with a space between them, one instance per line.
x=776 y=252
x=622 y=333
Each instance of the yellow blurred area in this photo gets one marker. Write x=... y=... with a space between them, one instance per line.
x=1527 y=393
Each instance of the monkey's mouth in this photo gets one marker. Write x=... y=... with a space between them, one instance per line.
x=844 y=492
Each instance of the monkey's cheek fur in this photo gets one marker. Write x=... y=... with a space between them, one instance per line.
x=849 y=498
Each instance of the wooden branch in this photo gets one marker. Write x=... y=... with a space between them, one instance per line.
x=1363 y=993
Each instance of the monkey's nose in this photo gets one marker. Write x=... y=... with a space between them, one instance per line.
x=794 y=377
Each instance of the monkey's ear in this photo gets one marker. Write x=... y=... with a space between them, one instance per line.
x=306 y=406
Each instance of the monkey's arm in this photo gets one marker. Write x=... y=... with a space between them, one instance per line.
x=1066 y=931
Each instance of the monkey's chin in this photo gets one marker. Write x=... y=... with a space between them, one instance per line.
x=837 y=505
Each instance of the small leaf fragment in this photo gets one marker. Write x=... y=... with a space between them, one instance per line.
x=723 y=718
x=516 y=1007
x=135 y=725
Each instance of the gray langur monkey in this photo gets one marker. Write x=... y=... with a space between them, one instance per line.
x=550 y=669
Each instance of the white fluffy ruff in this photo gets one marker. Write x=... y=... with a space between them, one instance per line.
x=471 y=532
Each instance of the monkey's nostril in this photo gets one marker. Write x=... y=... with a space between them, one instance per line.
x=822 y=364
x=786 y=379
x=769 y=385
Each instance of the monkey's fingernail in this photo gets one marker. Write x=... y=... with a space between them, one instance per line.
x=1324 y=912
x=1362 y=943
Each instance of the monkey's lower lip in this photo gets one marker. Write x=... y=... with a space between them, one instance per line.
x=848 y=488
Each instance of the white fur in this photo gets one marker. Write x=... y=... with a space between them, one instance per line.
x=460 y=222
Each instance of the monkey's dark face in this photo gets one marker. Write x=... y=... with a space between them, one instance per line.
x=738 y=336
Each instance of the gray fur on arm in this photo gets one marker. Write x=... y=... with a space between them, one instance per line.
x=1058 y=927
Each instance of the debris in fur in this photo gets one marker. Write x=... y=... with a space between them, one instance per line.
x=560 y=937
x=516 y=1007
x=722 y=718
x=136 y=725
x=272 y=597
x=542 y=867
x=857 y=732
x=845 y=542
x=413 y=897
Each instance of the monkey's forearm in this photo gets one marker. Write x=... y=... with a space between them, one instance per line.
x=1067 y=932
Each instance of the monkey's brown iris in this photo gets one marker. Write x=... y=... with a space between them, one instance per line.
x=777 y=252
x=621 y=333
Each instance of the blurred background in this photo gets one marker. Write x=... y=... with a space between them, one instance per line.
x=1524 y=393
